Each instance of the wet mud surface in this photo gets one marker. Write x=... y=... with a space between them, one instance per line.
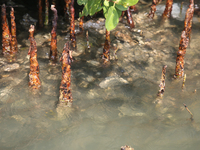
x=114 y=104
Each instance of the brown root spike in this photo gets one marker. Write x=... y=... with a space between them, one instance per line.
x=65 y=89
x=81 y=23
x=40 y=13
x=133 y=9
x=34 y=80
x=67 y=9
x=106 y=49
x=72 y=25
x=129 y=18
x=6 y=36
x=153 y=8
x=13 y=43
x=168 y=9
x=185 y=37
x=53 y=49
x=162 y=82
x=46 y=22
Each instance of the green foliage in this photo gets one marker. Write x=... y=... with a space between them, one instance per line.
x=112 y=9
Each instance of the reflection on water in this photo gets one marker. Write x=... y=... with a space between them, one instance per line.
x=177 y=12
x=124 y=111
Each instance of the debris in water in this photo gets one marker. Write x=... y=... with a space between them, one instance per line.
x=162 y=82
x=112 y=81
x=65 y=89
x=34 y=80
x=184 y=79
x=126 y=148
x=53 y=49
x=189 y=112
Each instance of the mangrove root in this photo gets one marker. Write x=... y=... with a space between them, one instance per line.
x=168 y=9
x=133 y=9
x=189 y=112
x=46 y=21
x=153 y=8
x=53 y=49
x=122 y=15
x=81 y=23
x=185 y=37
x=72 y=25
x=106 y=49
x=34 y=80
x=13 y=43
x=162 y=82
x=67 y=10
x=129 y=18
x=6 y=36
x=40 y=13
x=65 y=89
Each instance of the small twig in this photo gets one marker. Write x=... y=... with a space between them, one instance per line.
x=184 y=79
x=189 y=112
x=87 y=37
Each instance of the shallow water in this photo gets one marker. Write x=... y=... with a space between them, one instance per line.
x=113 y=105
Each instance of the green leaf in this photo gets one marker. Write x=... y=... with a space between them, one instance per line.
x=132 y=2
x=100 y=8
x=82 y=2
x=112 y=18
x=121 y=7
x=105 y=11
x=106 y=3
x=93 y=6
x=126 y=3
x=119 y=12
x=84 y=12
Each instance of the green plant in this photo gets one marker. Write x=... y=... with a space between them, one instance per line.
x=112 y=9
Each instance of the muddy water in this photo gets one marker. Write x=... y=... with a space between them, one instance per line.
x=114 y=105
